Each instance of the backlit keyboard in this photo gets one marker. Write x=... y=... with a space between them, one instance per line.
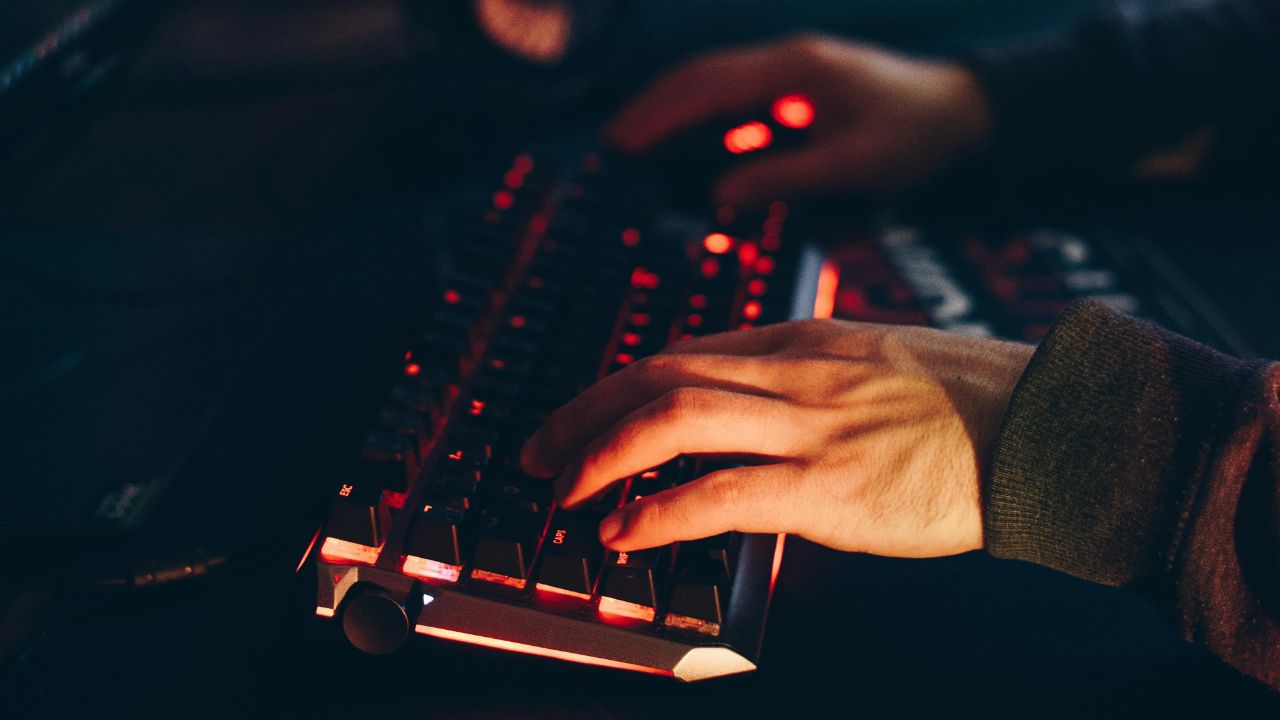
x=562 y=279
x=562 y=276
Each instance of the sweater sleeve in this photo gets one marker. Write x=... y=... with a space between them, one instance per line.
x=1131 y=456
x=1134 y=81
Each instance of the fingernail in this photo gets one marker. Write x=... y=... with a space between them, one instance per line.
x=611 y=527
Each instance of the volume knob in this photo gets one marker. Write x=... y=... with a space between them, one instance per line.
x=375 y=622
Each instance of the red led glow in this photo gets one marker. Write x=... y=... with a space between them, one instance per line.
x=344 y=551
x=413 y=369
x=777 y=561
x=693 y=320
x=486 y=576
x=717 y=243
x=517 y=321
x=513 y=179
x=757 y=287
x=683 y=622
x=615 y=608
x=793 y=111
x=639 y=319
x=824 y=304
x=748 y=137
x=631 y=237
x=748 y=253
x=771 y=242
x=430 y=569
x=522 y=163
x=710 y=268
x=510 y=646
x=456 y=456
x=624 y=358
x=630 y=339
x=698 y=302
x=538 y=224
x=561 y=591
x=643 y=279
x=307 y=553
x=395 y=499
x=503 y=200
x=751 y=309
x=452 y=297
x=764 y=265
x=477 y=407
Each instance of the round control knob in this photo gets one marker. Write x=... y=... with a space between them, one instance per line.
x=375 y=622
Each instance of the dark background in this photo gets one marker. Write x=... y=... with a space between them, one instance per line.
x=246 y=154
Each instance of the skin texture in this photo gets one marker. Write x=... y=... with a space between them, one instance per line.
x=859 y=437
x=884 y=123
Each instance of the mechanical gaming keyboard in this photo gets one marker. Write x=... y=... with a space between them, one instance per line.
x=564 y=277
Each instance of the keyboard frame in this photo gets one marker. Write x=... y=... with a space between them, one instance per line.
x=482 y=614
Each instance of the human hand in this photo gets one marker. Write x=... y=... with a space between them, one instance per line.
x=884 y=123
x=863 y=437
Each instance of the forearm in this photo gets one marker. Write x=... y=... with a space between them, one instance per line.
x=1130 y=456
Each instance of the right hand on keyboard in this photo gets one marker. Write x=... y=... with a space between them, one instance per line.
x=883 y=122
x=862 y=437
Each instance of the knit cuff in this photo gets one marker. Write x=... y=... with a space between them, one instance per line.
x=1104 y=446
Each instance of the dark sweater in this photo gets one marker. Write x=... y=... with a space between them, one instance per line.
x=1131 y=456
x=1131 y=82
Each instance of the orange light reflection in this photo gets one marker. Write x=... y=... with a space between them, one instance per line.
x=535 y=650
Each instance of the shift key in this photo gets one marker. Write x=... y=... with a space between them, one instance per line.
x=630 y=585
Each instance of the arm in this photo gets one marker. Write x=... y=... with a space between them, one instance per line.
x=1098 y=99
x=890 y=440
x=1130 y=456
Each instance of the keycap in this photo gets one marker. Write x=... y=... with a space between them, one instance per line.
x=434 y=543
x=358 y=514
x=386 y=474
x=510 y=486
x=424 y=399
x=629 y=587
x=571 y=554
x=701 y=586
x=506 y=541
x=388 y=445
x=404 y=421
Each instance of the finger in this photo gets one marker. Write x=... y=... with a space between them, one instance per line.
x=747 y=499
x=809 y=171
x=755 y=342
x=564 y=434
x=685 y=421
x=721 y=83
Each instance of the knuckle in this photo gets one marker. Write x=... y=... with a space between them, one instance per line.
x=664 y=514
x=723 y=490
x=680 y=403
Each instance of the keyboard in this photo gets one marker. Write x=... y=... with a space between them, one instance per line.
x=561 y=278
x=567 y=269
